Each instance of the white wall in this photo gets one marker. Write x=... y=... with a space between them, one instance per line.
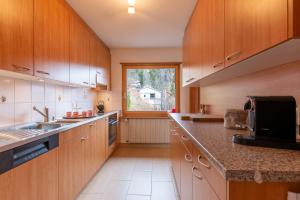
x=146 y=55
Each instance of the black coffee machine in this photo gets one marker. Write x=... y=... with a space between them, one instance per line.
x=271 y=122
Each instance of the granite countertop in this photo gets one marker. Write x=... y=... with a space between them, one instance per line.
x=239 y=162
x=10 y=143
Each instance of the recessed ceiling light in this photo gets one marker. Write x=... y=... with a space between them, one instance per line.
x=131 y=2
x=131 y=10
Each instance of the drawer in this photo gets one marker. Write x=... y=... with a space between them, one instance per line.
x=186 y=141
x=213 y=176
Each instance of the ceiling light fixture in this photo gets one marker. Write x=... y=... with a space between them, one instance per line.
x=131 y=2
x=131 y=10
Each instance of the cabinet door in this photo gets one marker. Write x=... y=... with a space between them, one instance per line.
x=16 y=36
x=51 y=39
x=100 y=142
x=90 y=167
x=93 y=59
x=175 y=158
x=253 y=26
x=201 y=188
x=36 y=179
x=211 y=22
x=185 y=65
x=186 y=177
x=79 y=51
x=71 y=164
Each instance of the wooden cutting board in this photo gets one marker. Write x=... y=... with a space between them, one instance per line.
x=203 y=118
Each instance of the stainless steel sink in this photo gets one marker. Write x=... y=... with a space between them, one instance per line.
x=41 y=126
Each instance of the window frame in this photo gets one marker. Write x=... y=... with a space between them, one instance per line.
x=149 y=114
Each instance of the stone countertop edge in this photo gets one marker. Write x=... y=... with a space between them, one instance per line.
x=238 y=174
x=56 y=131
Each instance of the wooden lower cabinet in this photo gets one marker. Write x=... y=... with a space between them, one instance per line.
x=34 y=180
x=175 y=155
x=200 y=179
x=201 y=188
x=81 y=154
x=71 y=160
x=186 y=176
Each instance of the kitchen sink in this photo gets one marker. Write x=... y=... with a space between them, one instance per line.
x=42 y=126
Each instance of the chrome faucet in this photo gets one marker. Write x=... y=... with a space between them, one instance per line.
x=45 y=115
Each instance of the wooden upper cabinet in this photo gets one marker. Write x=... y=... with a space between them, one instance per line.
x=211 y=35
x=16 y=36
x=253 y=26
x=51 y=39
x=185 y=64
x=79 y=51
x=93 y=59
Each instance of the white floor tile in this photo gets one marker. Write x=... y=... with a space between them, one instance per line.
x=116 y=190
x=140 y=184
x=163 y=190
x=90 y=197
x=137 y=197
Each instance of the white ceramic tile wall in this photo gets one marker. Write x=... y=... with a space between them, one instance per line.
x=17 y=97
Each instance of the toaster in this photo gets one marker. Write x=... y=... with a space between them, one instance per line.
x=271 y=122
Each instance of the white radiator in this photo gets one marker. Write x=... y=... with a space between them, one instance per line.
x=145 y=131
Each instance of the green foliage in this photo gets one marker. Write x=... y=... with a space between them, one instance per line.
x=128 y=101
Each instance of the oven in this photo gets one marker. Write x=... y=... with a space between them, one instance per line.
x=113 y=127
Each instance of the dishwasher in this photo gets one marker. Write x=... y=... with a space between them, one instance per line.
x=24 y=153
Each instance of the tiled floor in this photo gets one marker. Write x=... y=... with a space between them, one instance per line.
x=134 y=172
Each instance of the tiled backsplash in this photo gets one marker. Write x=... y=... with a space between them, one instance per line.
x=20 y=96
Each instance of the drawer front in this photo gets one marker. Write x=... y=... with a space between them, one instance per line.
x=186 y=141
x=214 y=178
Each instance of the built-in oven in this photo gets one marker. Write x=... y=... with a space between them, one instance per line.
x=113 y=128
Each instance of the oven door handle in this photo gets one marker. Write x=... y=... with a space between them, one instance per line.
x=113 y=123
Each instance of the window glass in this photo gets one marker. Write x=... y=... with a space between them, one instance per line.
x=151 y=89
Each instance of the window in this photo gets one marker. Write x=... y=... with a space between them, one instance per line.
x=150 y=90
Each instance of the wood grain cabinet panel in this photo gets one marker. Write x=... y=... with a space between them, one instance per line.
x=16 y=36
x=34 y=180
x=211 y=22
x=51 y=39
x=100 y=141
x=71 y=164
x=79 y=51
x=201 y=188
x=186 y=176
x=253 y=26
x=81 y=154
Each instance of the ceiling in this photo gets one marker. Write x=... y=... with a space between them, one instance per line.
x=157 y=23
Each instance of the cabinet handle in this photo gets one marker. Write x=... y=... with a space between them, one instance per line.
x=42 y=72
x=173 y=133
x=91 y=124
x=184 y=138
x=233 y=56
x=188 y=158
x=85 y=83
x=196 y=175
x=201 y=163
x=218 y=64
x=84 y=139
x=20 y=68
x=191 y=79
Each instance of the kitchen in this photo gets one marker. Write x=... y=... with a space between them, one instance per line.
x=139 y=99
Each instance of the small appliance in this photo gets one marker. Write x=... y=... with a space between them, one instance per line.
x=100 y=107
x=271 y=122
